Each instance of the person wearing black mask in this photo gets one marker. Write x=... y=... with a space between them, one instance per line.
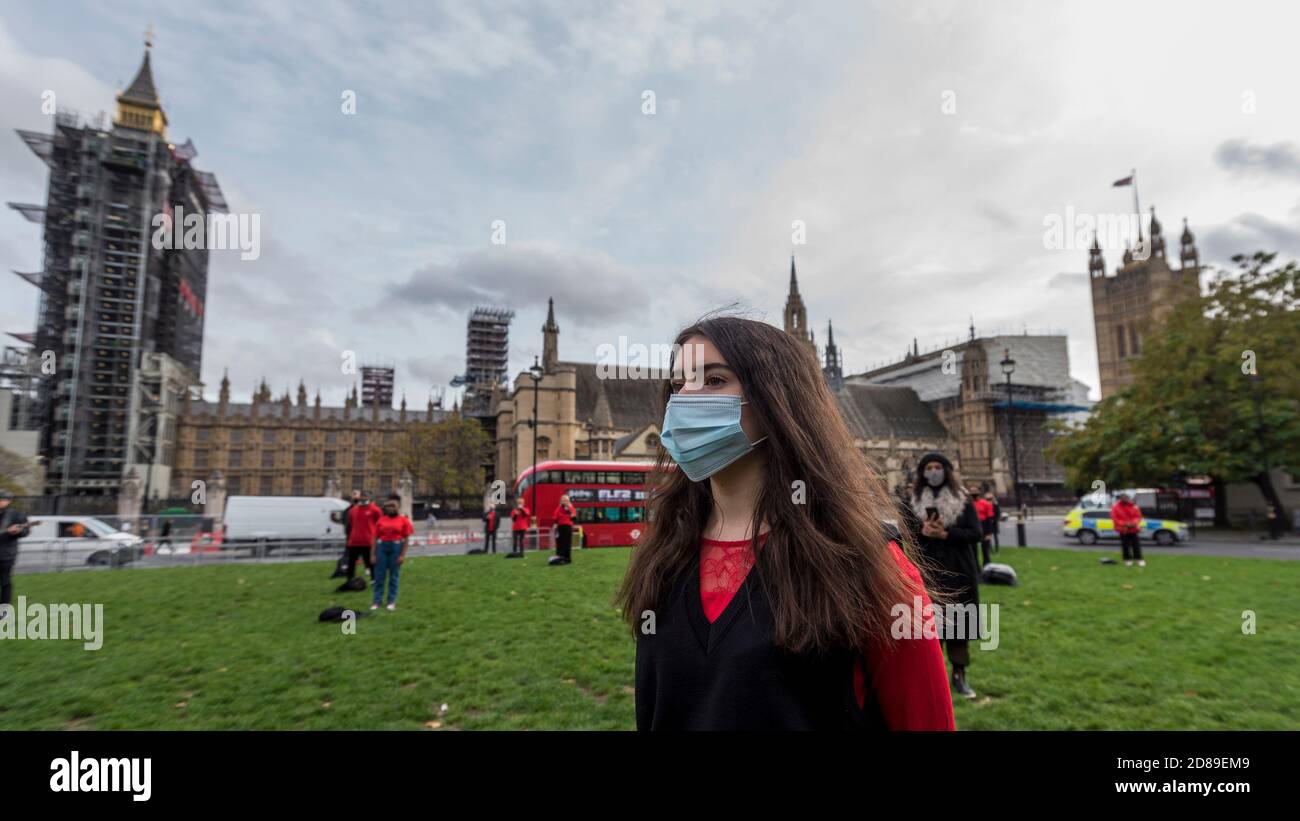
x=946 y=528
x=13 y=526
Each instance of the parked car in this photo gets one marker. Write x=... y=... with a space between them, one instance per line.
x=266 y=523
x=1090 y=525
x=62 y=541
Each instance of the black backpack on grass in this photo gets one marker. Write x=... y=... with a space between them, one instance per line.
x=340 y=613
x=351 y=585
x=996 y=573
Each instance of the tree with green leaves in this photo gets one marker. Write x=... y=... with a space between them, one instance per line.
x=1216 y=393
x=445 y=458
x=16 y=473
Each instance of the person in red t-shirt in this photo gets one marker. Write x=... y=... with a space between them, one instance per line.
x=564 y=514
x=362 y=517
x=983 y=509
x=1127 y=518
x=519 y=517
x=490 y=522
x=757 y=608
x=392 y=535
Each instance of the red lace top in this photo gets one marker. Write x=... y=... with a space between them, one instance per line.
x=910 y=678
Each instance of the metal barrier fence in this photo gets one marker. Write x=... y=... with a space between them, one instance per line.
x=201 y=548
x=193 y=543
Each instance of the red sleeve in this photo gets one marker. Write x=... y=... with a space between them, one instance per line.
x=407 y=527
x=908 y=676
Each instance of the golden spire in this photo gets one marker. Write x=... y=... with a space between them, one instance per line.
x=139 y=106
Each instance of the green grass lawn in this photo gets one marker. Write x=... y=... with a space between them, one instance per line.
x=518 y=644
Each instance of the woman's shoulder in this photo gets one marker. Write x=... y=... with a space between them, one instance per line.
x=904 y=563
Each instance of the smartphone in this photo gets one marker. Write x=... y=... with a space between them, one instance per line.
x=932 y=513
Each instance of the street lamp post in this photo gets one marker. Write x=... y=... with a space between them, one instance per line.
x=534 y=373
x=1009 y=367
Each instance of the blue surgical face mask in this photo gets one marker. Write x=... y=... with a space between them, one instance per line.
x=702 y=433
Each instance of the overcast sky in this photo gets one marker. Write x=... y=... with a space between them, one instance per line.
x=922 y=144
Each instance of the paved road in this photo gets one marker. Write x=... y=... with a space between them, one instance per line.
x=1046 y=532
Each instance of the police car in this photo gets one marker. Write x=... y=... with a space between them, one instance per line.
x=1088 y=525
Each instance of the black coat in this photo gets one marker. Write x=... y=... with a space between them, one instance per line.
x=9 y=541
x=956 y=568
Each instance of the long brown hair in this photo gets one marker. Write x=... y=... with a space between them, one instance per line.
x=826 y=565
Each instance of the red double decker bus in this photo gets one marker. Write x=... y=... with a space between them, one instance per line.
x=609 y=498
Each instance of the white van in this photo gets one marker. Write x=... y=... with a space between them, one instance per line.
x=266 y=523
x=56 y=542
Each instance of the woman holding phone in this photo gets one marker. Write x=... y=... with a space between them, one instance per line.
x=943 y=521
x=764 y=593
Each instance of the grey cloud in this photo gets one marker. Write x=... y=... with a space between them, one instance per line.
x=996 y=214
x=591 y=287
x=1248 y=233
x=1067 y=281
x=1246 y=159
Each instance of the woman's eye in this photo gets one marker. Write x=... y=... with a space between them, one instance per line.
x=715 y=381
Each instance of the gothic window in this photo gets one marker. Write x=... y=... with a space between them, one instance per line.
x=1119 y=332
x=543 y=448
x=1133 y=340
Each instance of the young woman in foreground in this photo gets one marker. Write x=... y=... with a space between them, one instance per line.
x=763 y=593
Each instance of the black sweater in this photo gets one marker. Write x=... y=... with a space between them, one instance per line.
x=730 y=675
